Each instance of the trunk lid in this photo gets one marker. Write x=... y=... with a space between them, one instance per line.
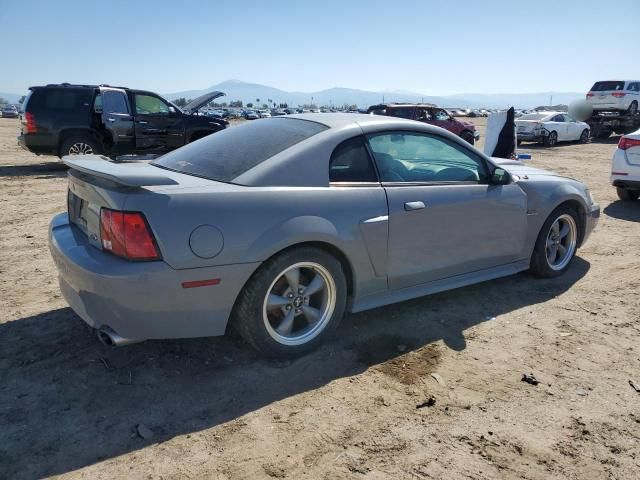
x=95 y=182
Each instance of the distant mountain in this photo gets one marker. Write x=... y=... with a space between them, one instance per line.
x=11 y=97
x=520 y=100
x=249 y=92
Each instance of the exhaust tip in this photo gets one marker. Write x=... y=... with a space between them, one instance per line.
x=105 y=339
x=109 y=338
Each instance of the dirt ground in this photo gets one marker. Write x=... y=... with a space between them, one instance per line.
x=360 y=407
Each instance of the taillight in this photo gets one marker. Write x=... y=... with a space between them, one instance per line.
x=127 y=235
x=589 y=95
x=626 y=143
x=618 y=94
x=31 y=122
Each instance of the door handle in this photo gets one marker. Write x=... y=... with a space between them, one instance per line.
x=111 y=120
x=410 y=206
x=142 y=122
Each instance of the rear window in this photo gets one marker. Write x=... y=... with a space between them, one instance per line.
x=227 y=154
x=606 y=86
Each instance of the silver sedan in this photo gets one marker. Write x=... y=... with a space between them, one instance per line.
x=277 y=227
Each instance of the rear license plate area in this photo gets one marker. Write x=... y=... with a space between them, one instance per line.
x=77 y=209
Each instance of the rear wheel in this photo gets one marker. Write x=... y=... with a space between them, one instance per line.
x=556 y=244
x=551 y=139
x=633 y=108
x=468 y=137
x=604 y=134
x=292 y=303
x=81 y=145
x=584 y=136
x=626 y=194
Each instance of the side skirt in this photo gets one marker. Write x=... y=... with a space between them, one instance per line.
x=394 y=296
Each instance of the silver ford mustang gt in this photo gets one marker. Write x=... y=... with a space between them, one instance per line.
x=278 y=226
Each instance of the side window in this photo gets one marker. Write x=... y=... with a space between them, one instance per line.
x=350 y=162
x=442 y=115
x=567 y=118
x=416 y=157
x=558 y=118
x=149 y=105
x=58 y=99
x=424 y=115
x=402 y=112
x=114 y=102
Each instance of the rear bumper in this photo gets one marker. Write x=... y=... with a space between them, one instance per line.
x=530 y=136
x=141 y=300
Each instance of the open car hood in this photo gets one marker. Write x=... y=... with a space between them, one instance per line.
x=202 y=100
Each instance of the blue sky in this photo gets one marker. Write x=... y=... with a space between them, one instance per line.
x=431 y=47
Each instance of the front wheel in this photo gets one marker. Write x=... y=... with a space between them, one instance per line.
x=468 y=137
x=584 y=136
x=626 y=194
x=551 y=139
x=292 y=303
x=556 y=244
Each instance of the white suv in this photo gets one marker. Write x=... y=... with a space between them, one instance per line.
x=615 y=95
x=625 y=170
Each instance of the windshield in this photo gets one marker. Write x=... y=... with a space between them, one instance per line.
x=225 y=155
x=534 y=116
x=605 y=86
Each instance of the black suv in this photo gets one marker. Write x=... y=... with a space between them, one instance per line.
x=83 y=119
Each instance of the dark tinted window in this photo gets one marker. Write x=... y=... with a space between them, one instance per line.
x=605 y=86
x=402 y=112
x=350 y=162
x=229 y=153
x=416 y=157
x=114 y=102
x=64 y=99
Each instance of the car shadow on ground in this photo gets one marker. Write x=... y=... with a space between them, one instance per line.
x=540 y=146
x=67 y=402
x=627 y=210
x=40 y=170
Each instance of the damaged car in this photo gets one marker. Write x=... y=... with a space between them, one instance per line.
x=65 y=119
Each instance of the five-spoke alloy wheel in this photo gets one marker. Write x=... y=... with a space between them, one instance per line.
x=292 y=302
x=299 y=303
x=557 y=242
x=561 y=242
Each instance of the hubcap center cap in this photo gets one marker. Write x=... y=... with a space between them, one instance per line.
x=298 y=301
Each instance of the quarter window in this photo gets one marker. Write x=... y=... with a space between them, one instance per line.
x=414 y=157
x=150 y=105
x=350 y=162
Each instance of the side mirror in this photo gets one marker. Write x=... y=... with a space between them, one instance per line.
x=499 y=176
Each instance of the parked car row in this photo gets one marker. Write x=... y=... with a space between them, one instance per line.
x=10 y=111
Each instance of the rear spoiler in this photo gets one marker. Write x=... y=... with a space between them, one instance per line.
x=127 y=174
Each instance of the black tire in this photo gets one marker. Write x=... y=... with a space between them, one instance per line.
x=539 y=265
x=584 y=136
x=73 y=146
x=633 y=108
x=551 y=139
x=467 y=136
x=604 y=134
x=627 y=195
x=247 y=317
x=519 y=142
